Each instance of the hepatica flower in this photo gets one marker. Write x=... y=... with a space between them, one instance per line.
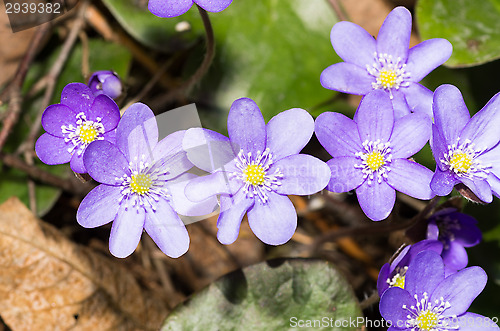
x=385 y=64
x=466 y=149
x=143 y=183
x=371 y=154
x=431 y=302
x=173 y=8
x=73 y=124
x=394 y=273
x=261 y=166
x=456 y=231
x=105 y=82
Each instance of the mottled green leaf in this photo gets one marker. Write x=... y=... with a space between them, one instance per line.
x=155 y=32
x=272 y=51
x=473 y=28
x=275 y=295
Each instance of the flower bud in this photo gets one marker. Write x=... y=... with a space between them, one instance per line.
x=105 y=82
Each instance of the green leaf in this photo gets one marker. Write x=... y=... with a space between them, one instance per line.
x=472 y=27
x=274 y=295
x=155 y=32
x=274 y=52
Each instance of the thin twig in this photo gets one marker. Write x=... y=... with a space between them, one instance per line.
x=373 y=229
x=14 y=88
x=338 y=10
x=187 y=86
x=43 y=176
x=55 y=71
x=371 y=300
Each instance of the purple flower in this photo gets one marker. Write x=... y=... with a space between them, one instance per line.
x=386 y=63
x=456 y=231
x=394 y=273
x=430 y=301
x=143 y=184
x=371 y=154
x=173 y=8
x=255 y=169
x=105 y=82
x=73 y=124
x=466 y=149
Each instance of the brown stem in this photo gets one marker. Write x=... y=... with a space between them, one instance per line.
x=13 y=91
x=373 y=229
x=187 y=86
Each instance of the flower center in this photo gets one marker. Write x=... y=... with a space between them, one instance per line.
x=140 y=183
x=83 y=133
x=399 y=279
x=427 y=320
x=388 y=78
x=389 y=73
x=375 y=160
x=256 y=175
x=428 y=316
x=146 y=185
x=461 y=159
x=87 y=133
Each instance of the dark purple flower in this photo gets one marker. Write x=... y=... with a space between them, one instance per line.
x=394 y=273
x=385 y=64
x=143 y=184
x=456 y=231
x=105 y=82
x=255 y=169
x=466 y=149
x=431 y=302
x=371 y=154
x=73 y=124
x=173 y=8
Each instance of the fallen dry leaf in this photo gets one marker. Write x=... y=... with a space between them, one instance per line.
x=48 y=282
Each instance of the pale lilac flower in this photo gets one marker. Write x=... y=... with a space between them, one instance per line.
x=73 y=124
x=371 y=154
x=456 y=231
x=143 y=183
x=385 y=64
x=394 y=273
x=255 y=169
x=430 y=301
x=466 y=149
x=105 y=82
x=173 y=8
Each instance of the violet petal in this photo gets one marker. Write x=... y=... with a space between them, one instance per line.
x=126 y=231
x=410 y=178
x=274 y=222
x=99 y=206
x=302 y=174
x=233 y=208
x=376 y=200
x=338 y=134
x=348 y=78
x=296 y=123
x=344 y=175
x=167 y=230
x=246 y=127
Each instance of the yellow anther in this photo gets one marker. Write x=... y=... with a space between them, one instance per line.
x=254 y=174
x=140 y=183
x=375 y=160
x=87 y=133
x=427 y=320
x=461 y=162
x=388 y=78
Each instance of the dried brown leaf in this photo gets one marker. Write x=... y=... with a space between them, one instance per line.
x=48 y=282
